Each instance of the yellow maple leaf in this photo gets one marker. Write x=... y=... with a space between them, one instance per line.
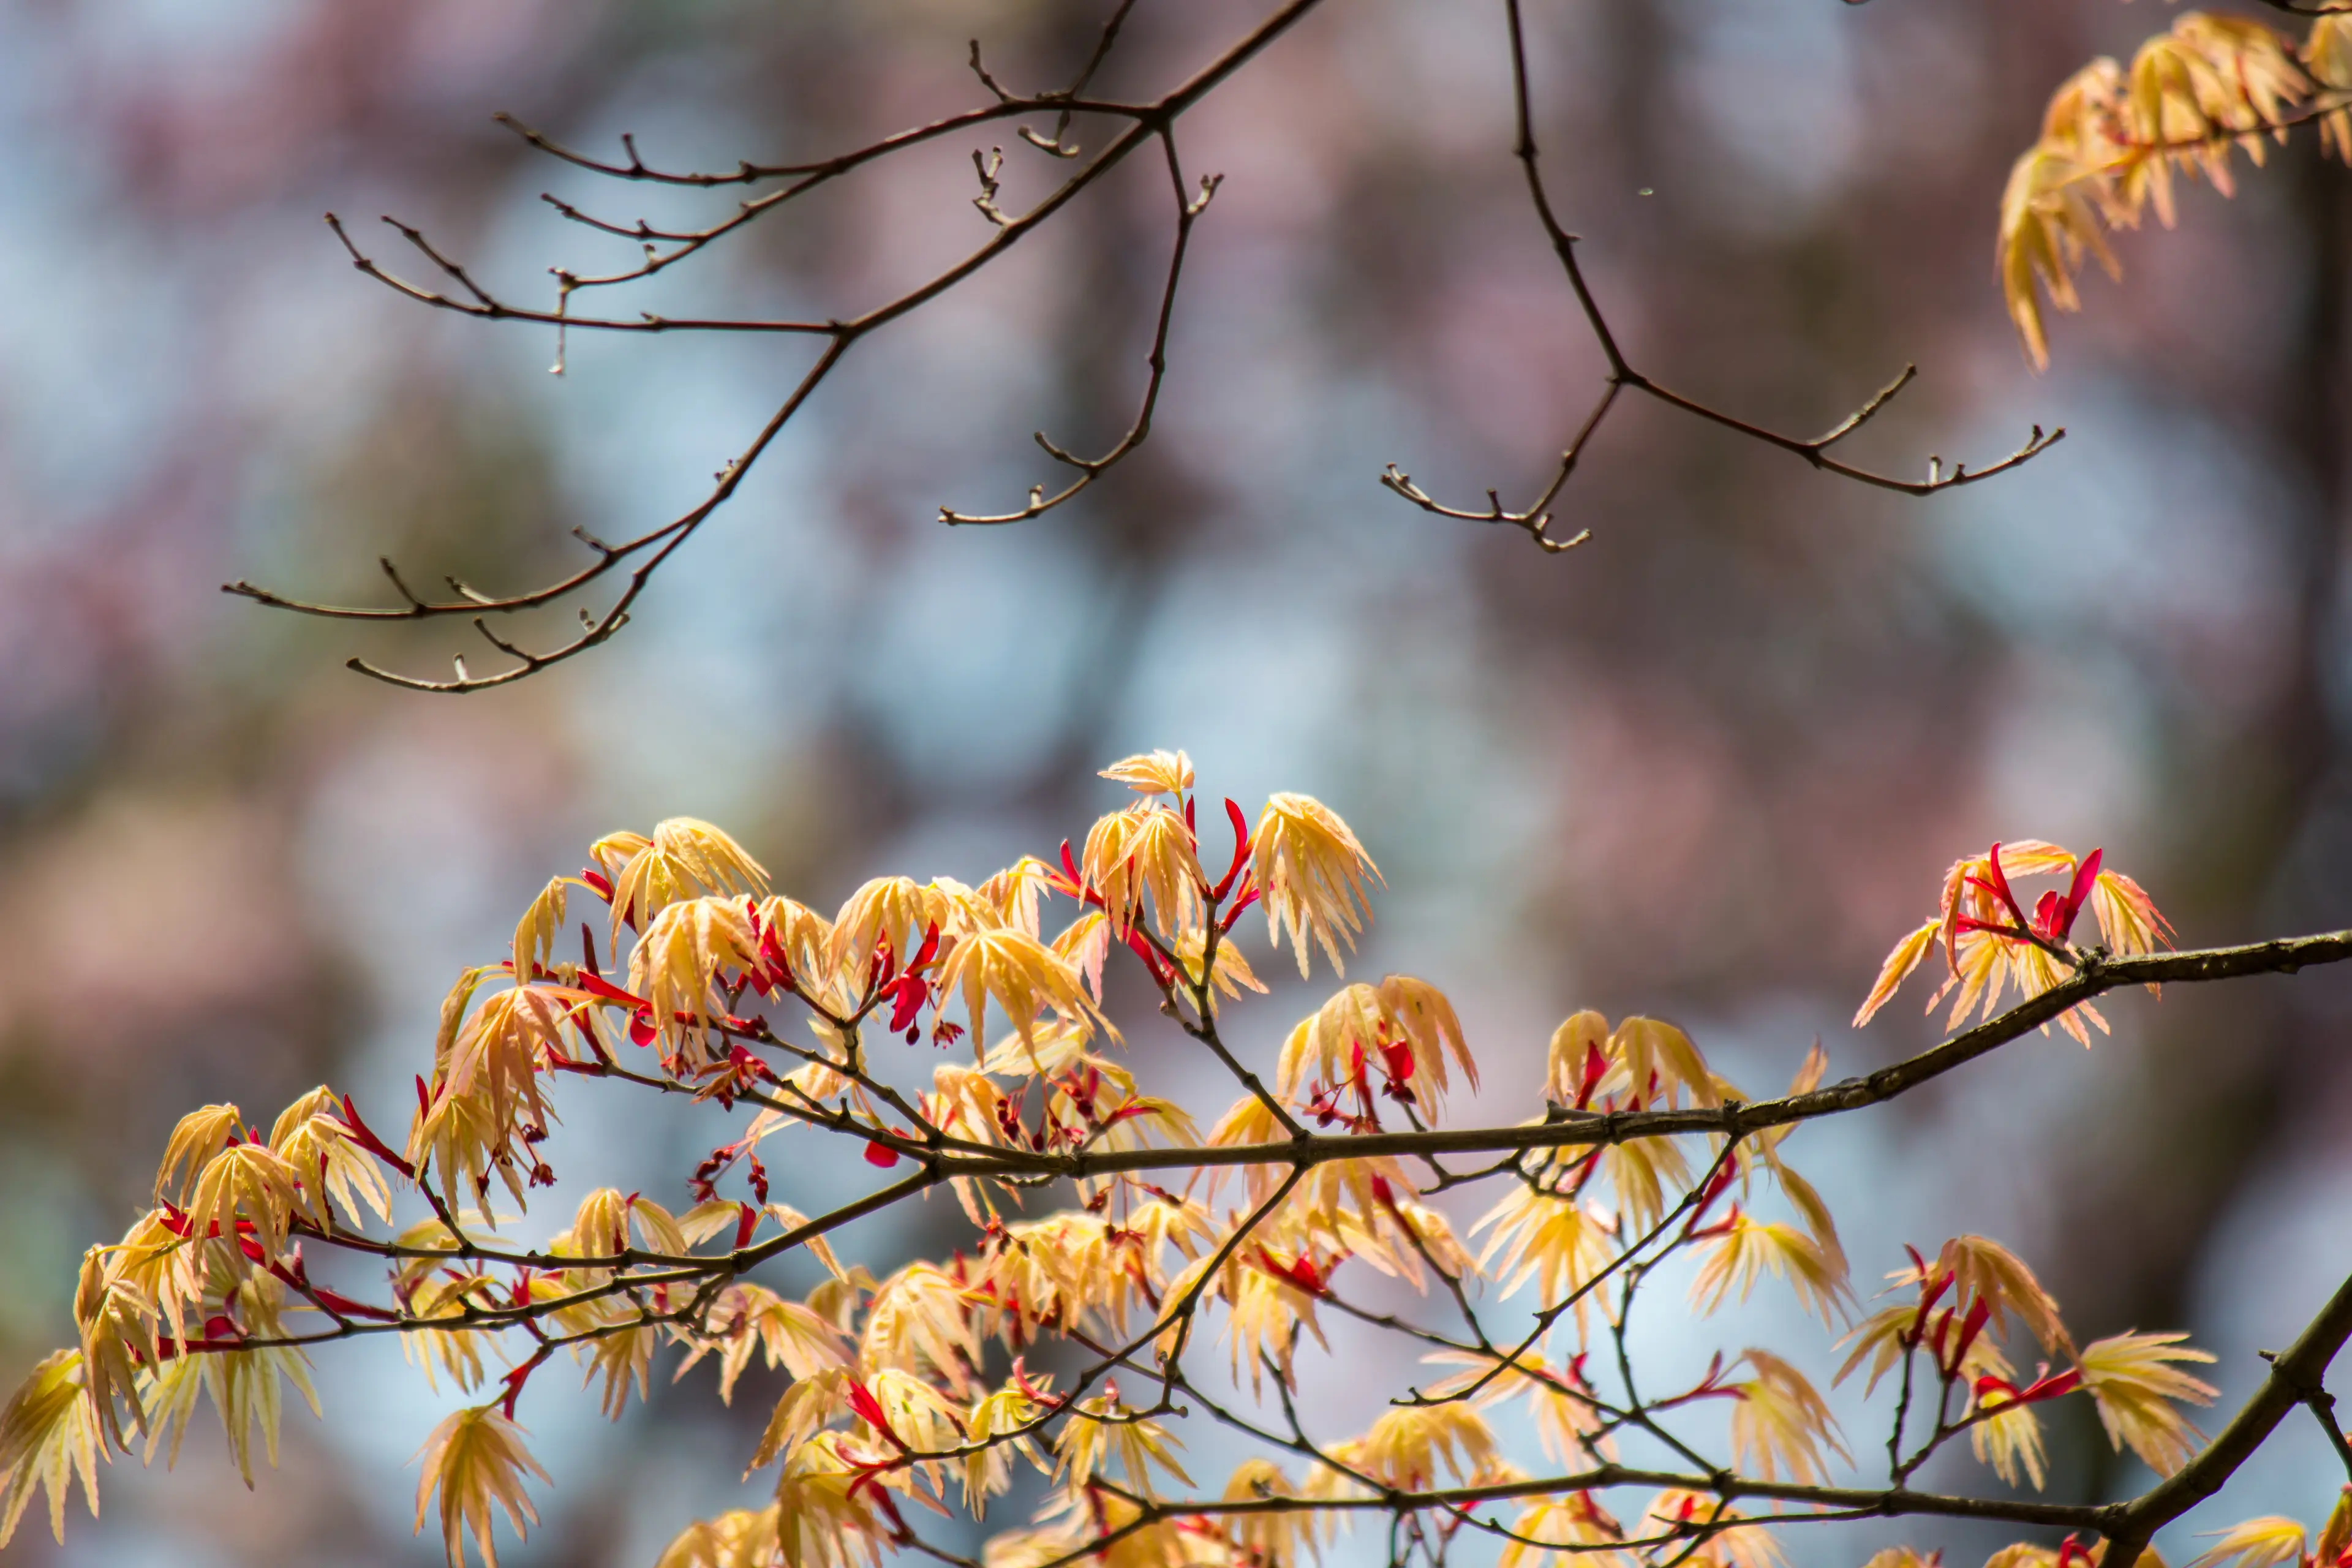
x=48 y=1436
x=1313 y=875
x=1153 y=772
x=686 y=857
x=475 y=1460
x=2137 y=1387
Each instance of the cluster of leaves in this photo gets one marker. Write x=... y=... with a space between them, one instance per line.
x=912 y=1390
x=1989 y=942
x=2115 y=136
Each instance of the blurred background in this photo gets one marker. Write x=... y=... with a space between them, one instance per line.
x=1708 y=766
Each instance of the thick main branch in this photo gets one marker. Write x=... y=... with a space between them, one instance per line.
x=1568 y=1129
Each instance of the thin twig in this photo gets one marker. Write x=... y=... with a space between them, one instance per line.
x=1535 y=518
x=651 y=550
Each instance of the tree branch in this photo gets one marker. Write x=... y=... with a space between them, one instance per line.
x=2098 y=975
x=2292 y=1377
x=652 y=549
x=1535 y=518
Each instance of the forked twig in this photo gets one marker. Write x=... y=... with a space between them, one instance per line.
x=1535 y=518
x=646 y=553
x=633 y=561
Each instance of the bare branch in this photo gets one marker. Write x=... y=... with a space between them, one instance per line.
x=1535 y=518
x=652 y=549
x=1188 y=208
